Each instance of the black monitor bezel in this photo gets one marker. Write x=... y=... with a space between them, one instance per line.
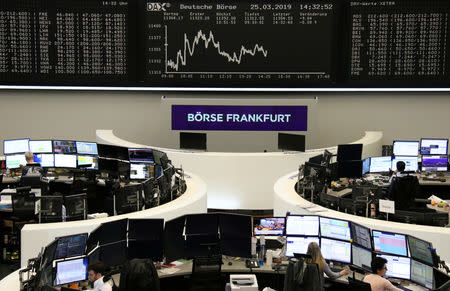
x=420 y=145
x=140 y=162
x=369 y=269
x=76 y=160
x=338 y=240
x=390 y=164
x=318 y=225
x=9 y=155
x=380 y=252
x=446 y=165
x=86 y=142
x=391 y=255
x=419 y=283
x=85 y=258
x=395 y=157
x=56 y=153
x=417 y=259
x=302 y=236
x=258 y=217
x=25 y=138
x=399 y=140
x=90 y=169
x=29 y=147
x=353 y=235
x=298 y=148
x=349 y=145
x=349 y=228
x=70 y=235
x=143 y=179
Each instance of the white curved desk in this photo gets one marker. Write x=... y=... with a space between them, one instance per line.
x=286 y=199
x=242 y=180
x=36 y=236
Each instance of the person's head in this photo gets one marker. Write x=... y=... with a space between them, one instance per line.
x=316 y=255
x=29 y=157
x=401 y=166
x=95 y=271
x=379 y=266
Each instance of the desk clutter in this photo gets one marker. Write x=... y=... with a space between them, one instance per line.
x=66 y=180
x=346 y=183
x=222 y=242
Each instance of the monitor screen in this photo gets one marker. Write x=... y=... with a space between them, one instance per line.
x=405 y=148
x=14 y=161
x=397 y=267
x=361 y=235
x=88 y=160
x=15 y=146
x=422 y=274
x=291 y=142
x=46 y=160
x=302 y=225
x=49 y=254
x=434 y=163
x=335 y=250
x=70 y=246
x=112 y=152
x=41 y=146
x=65 y=161
x=349 y=169
x=335 y=228
x=235 y=235
x=64 y=147
x=141 y=155
x=269 y=226
x=366 y=166
x=109 y=232
x=71 y=271
x=420 y=250
x=349 y=152
x=391 y=243
x=87 y=148
x=380 y=164
x=429 y=146
x=412 y=163
x=191 y=140
x=142 y=171
x=299 y=245
x=362 y=258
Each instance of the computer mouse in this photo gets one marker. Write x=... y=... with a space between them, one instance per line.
x=230 y=263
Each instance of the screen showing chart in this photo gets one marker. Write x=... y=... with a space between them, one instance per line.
x=41 y=146
x=15 y=161
x=420 y=250
x=88 y=160
x=210 y=43
x=361 y=235
x=87 y=148
x=299 y=245
x=397 y=267
x=302 y=225
x=64 y=147
x=362 y=258
x=71 y=246
x=46 y=160
x=15 y=146
x=335 y=250
x=141 y=171
x=335 y=228
x=422 y=274
x=406 y=148
x=141 y=155
x=411 y=163
x=434 y=163
x=380 y=164
x=433 y=146
x=71 y=271
x=268 y=226
x=387 y=242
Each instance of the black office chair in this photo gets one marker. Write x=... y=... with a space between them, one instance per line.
x=50 y=209
x=151 y=193
x=404 y=190
x=23 y=206
x=311 y=279
x=34 y=181
x=75 y=207
x=206 y=274
x=356 y=285
x=128 y=199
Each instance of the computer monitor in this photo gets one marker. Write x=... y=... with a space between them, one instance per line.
x=71 y=246
x=71 y=271
x=87 y=148
x=49 y=254
x=291 y=142
x=112 y=152
x=109 y=232
x=145 y=229
x=316 y=159
x=380 y=164
x=174 y=243
x=65 y=161
x=336 y=250
x=431 y=146
x=335 y=228
x=15 y=146
x=64 y=147
x=88 y=160
x=160 y=158
x=412 y=163
x=397 y=267
x=235 y=234
x=142 y=171
x=420 y=250
x=434 y=163
x=46 y=160
x=361 y=235
x=269 y=225
x=366 y=166
x=14 y=161
x=299 y=244
x=46 y=276
x=405 y=148
x=193 y=140
x=350 y=169
x=422 y=274
x=306 y=225
x=362 y=258
x=141 y=156
x=41 y=146
x=388 y=242
x=114 y=254
x=349 y=152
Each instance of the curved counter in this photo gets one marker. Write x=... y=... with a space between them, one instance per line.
x=37 y=236
x=242 y=180
x=286 y=199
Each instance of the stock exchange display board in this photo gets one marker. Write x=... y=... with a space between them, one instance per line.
x=214 y=44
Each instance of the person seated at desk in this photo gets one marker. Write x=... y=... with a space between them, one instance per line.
x=317 y=258
x=376 y=280
x=31 y=167
x=95 y=276
x=404 y=188
x=399 y=172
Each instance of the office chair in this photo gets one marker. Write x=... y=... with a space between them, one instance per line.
x=151 y=193
x=404 y=190
x=75 y=207
x=50 y=209
x=311 y=278
x=34 y=181
x=23 y=206
x=127 y=199
x=206 y=274
x=356 y=285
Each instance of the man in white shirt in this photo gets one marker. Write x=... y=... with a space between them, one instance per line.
x=95 y=275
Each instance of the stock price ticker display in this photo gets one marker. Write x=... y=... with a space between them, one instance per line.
x=240 y=44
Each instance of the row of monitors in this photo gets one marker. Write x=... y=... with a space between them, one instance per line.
x=299 y=228
x=430 y=163
x=426 y=146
